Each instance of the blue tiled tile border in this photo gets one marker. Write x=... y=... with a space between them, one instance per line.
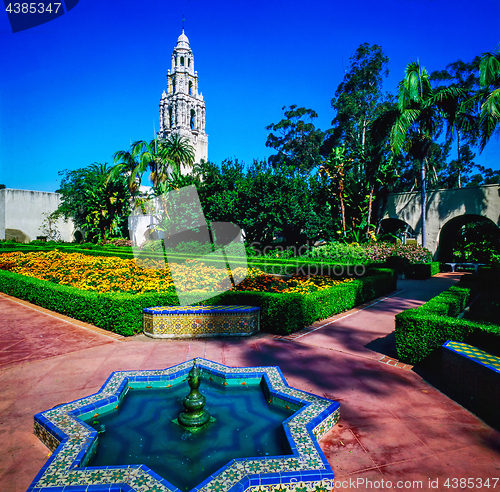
x=72 y=440
x=230 y=309
x=477 y=355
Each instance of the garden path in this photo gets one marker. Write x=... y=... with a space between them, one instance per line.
x=394 y=425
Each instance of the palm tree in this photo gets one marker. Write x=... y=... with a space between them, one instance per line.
x=462 y=113
x=99 y=170
x=179 y=150
x=420 y=112
x=489 y=78
x=153 y=155
x=127 y=164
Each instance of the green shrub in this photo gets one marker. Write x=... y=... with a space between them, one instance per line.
x=418 y=335
x=422 y=330
x=120 y=313
x=339 y=253
x=421 y=271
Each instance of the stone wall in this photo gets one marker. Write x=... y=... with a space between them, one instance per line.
x=21 y=215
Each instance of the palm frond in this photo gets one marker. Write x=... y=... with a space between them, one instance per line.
x=489 y=67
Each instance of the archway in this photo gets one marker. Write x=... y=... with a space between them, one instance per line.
x=393 y=229
x=16 y=235
x=468 y=238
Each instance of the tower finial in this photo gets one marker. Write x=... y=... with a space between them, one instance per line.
x=183 y=20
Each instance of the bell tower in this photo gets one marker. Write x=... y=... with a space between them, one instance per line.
x=182 y=109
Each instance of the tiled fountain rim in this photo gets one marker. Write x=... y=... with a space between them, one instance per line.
x=306 y=469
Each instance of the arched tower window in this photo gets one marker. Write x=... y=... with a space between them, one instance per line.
x=193 y=114
x=182 y=61
x=173 y=84
x=170 y=116
x=190 y=92
x=189 y=62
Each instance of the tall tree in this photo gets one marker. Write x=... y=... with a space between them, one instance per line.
x=421 y=110
x=296 y=139
x=462 y=120
x=358 y=101
x=359 y=98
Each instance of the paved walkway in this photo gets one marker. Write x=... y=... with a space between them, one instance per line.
x=394 y=425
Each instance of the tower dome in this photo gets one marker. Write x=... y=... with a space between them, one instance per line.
x=183 y=41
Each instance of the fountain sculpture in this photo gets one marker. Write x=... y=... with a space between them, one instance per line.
x=195 y=417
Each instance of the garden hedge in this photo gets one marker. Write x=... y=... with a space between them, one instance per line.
x=122 y=313
x=420 y=271
x=422 y=330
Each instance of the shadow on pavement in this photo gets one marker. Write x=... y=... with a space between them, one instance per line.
x=384 y=345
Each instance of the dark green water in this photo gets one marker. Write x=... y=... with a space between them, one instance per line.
x=142 y=432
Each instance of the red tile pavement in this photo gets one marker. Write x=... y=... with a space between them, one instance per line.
x=31 y=333
x=395 y=427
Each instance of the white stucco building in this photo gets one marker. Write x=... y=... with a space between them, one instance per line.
x=21 y=215
x=182 y=108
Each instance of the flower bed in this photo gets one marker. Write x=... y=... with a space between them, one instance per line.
x=111 y=274
x=414 y=254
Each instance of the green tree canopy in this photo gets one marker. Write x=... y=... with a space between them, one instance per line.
x=270 y=202
x=359 y=99
x=489 y=122
x=97 y=205
x=296 y=139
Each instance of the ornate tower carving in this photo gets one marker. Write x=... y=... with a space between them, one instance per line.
x=182 y=109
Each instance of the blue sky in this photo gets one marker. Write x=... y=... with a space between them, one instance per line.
x=75 y=90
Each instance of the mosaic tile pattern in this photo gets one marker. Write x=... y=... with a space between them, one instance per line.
x=200 y=321
x=200 y=309
x=475 y=354
x=306 y=469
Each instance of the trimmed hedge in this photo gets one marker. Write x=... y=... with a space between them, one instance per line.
x=122 y=313
x=417 y=336
x=422 y=330
x=420 y=271
x=117 y=312
x=417 y=271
